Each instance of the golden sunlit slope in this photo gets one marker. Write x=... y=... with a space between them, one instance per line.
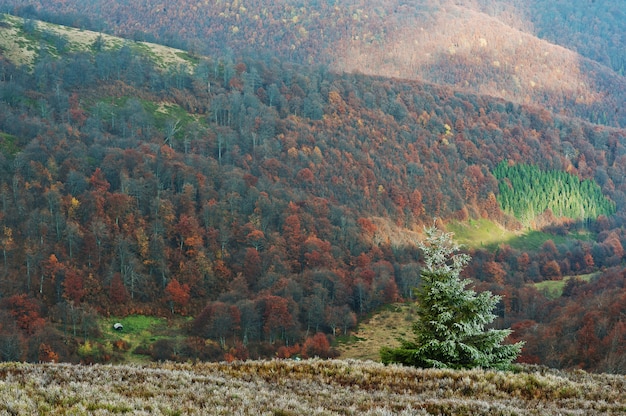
x=484 y=46
x=22 y=41
x=462 y=46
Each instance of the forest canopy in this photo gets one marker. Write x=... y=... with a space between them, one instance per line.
x=565 y=56
x=273 y=202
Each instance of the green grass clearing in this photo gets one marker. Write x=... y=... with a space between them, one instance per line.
x=488 y=235
x=22 y=41
x=480 y=234
x=139 y=331
x=9 y=144
x=553 y=289
x=533 y=240
x=158 y=113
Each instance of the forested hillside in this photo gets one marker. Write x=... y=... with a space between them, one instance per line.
x=595 y=29
x=271 y=201
x=565 y=56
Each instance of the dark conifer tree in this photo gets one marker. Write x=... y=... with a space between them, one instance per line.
x=450 y=331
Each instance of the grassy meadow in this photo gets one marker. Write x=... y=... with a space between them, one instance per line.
x=553 y=289
x=139 y=331
x=487 y=234
x=21 y=41
x=314 y=387
x=381 y=329
x=480 y=233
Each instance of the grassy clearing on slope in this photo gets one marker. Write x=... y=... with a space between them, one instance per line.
x=163 y=116
x=381 y=329
x=488 y=235
x=9 y=144
x=312 y=387
x=22 y=47
x=480 y=233
x=553 y=289
x=139 y=331
x=533 y=240
x=14 y=46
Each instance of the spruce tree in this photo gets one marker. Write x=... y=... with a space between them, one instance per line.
x=450 y=331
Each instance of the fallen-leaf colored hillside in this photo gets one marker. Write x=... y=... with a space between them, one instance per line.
x=567 y=56
x=268 y=207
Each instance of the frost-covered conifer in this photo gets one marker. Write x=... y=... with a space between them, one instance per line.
x=450 y=331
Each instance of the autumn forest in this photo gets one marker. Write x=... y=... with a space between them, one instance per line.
x=274 y=203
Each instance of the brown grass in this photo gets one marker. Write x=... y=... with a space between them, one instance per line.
x=382 y=329
x=309 y=387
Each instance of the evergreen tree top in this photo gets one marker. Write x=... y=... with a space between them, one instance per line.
x=438 y=249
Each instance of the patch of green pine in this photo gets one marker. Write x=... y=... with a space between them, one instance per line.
x=525 y=191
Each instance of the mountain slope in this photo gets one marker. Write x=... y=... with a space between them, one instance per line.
x=473 y=51
x=484 y=46
x=272 y=201
x=595 y=29
x=24 y=43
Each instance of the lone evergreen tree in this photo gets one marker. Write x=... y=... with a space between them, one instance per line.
x=450 y=331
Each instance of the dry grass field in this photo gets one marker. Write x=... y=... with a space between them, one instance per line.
x=314 y=387
x=23 y=48
x=381 y=329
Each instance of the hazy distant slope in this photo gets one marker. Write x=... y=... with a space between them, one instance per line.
x=483 y=46
x=595 y=29
x=472 y=50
